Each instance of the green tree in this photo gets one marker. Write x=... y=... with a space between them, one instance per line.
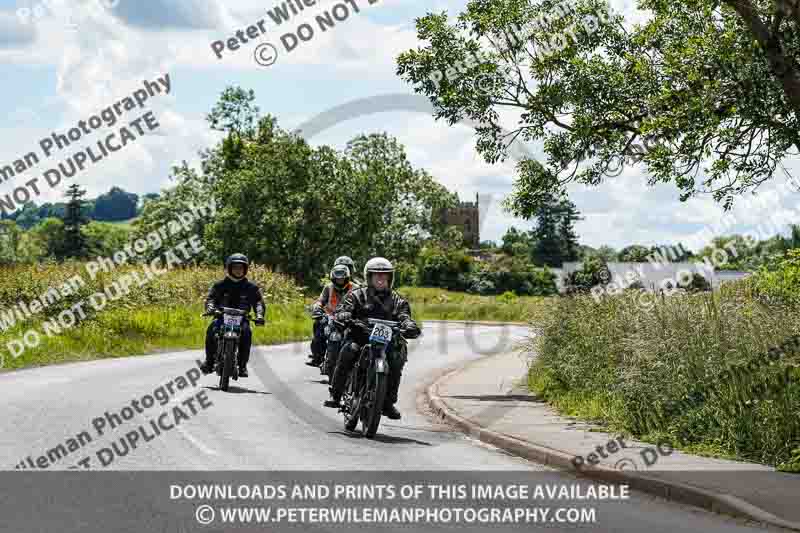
x=443 y=267
x=116 y=204
x=516 y=242
x=49 y=239
x=28 y=216
x=592 y=273
x=710 y=87
x=569 y=215
x=190 y=190
x=104 y=239
x=10 y=236
x=634 y=253
x=74 y=244
x=554 y=238
x=297 y=208
x=605 y=252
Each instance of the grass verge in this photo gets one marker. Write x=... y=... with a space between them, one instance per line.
x=714 y=374
x=145 y=330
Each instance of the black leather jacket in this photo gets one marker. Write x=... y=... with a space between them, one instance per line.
x=365 y=303
x=244 y=295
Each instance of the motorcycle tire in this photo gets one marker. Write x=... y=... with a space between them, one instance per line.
x=227 y=364
x=369 y=427
x=352 y=405
x=331 y=357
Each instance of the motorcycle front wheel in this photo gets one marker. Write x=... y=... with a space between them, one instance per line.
x=377 y=395
x=229 y=351
x=331 y=356
x=352 y=404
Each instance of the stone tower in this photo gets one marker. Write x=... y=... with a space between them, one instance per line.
x=467 y=218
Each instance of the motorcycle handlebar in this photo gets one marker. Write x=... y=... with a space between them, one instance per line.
x=219 y=311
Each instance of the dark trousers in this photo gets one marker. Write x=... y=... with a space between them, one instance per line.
x=319 y=341
x=351 y=348
x=245 y=341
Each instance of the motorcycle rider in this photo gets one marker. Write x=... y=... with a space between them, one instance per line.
x=349 y=263
x=333 y=294
x=376 y=300
x=238 y=292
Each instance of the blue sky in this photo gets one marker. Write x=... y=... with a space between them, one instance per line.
x=79 y=57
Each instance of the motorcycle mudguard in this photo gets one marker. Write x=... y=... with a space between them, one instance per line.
x=381 y=366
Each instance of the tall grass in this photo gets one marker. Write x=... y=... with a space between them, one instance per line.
x=163 y=314
x=690 y=368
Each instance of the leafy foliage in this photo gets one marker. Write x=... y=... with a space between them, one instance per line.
x=592 y=273
x=711 y=88
x=287 y=204
x=116 y=204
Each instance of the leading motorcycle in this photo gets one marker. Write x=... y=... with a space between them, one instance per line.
x=227 y=357
x=365 y=390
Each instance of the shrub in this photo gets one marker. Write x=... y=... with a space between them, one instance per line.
x=778 y=283
x=405 y=274
x=438 y=267
x=512 y=274
x=698 y=283
x=593 y=272
x=508 y=297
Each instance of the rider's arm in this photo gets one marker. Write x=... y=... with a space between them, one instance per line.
x=410 y=328
x=213 y=298
x=322 y=301
x=259 y=306
x=344 y=311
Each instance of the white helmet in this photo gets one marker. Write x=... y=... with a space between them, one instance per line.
x=379 y=264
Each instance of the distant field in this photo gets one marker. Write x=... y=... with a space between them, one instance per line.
x=126 y=223
x=433 y=303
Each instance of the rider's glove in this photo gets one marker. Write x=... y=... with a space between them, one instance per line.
x=344 y=317
x=409 y=329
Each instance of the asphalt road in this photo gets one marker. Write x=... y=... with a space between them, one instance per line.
x=274 y=421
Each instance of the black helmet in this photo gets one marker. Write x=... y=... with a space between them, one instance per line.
x=346 y=261
x=236 y=259
x=340 y=274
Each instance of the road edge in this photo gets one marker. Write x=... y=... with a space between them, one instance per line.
x=670 y=490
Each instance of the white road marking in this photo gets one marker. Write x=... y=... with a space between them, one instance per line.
x=195 y=441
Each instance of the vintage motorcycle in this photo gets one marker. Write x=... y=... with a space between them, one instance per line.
x=365 y=390
x=333 y=334
x=227 y=358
